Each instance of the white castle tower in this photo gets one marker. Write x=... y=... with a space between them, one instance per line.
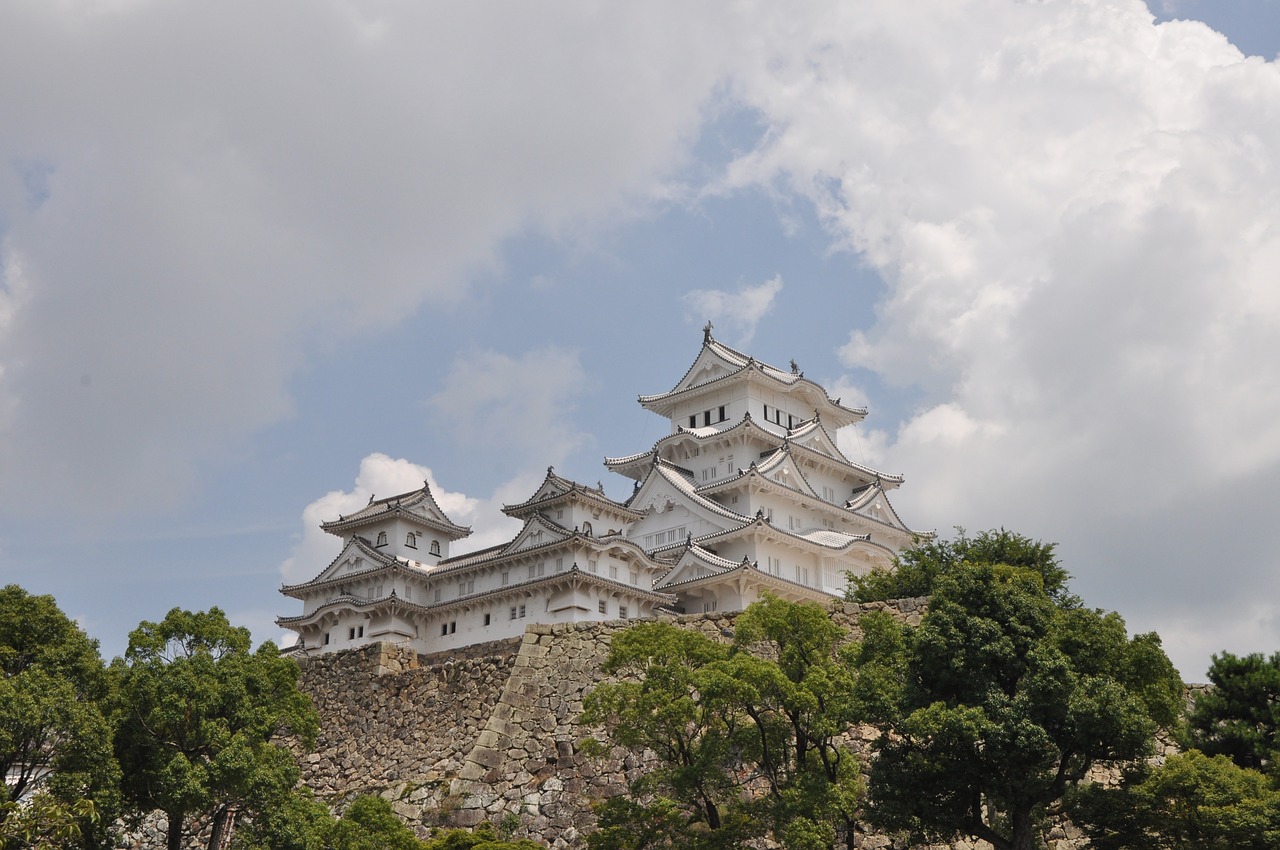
x=747 y=495
x=750 y=494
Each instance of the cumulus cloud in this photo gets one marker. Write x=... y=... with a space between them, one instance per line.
x=381 y=476
x=1073 y=211
x=738 y=312
x=192 y=192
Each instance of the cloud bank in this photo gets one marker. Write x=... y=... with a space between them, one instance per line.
x=1074 y=212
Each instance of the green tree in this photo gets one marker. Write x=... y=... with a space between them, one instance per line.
x=1012 y=692
x=769 y=713
x=671 y=699
x=1191 y=802
x=369 y=823
x=916 y=571
x=54 y=741
x=202 y=722
x=1238 y=717
x=797 y=683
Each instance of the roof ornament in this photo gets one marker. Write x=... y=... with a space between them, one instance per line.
x=551 y=470
x=688 y=539
x=706 y=331
x=760 y=514
x=795 y=367
x=599 y=485
x=371 y=495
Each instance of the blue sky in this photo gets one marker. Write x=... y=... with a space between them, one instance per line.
x=262 y=260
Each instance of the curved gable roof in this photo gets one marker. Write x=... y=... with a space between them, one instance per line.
x=417 y=506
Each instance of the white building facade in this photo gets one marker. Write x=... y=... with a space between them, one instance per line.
x=748 y=494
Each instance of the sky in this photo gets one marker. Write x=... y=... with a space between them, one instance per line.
x=262 y=260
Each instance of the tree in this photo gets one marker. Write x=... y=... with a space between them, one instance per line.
x=802 y=698
x=671 y=700
x=916 y=571
x=749 y=739
x=55 y=744
x=202 y=722
x=1239 y=716
x=1191 y=802
x=1012 y=692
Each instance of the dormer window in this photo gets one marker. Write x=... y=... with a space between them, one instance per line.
x=435 y=547
x=411 y=540
x=586 y=528
x=382 y=539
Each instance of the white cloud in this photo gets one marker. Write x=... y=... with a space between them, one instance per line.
x=381 y=476
x=1073 y=210
x=192 y=192
x=739 y=312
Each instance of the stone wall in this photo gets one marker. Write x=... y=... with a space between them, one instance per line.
x=486 y=733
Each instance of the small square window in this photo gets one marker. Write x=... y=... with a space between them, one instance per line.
x=487 y=619
x=522 y=612
x=453 y=626
x=622 y=612
x=360 y=632
x=604 y=607
x=444 y=628
x=326 y=638
x=513 y=612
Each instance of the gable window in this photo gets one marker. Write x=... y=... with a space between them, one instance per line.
x=382 y=539
x=411 y=540
x=435 y=547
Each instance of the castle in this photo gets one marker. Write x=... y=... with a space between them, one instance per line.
x=748 y=494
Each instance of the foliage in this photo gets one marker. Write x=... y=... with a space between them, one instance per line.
x=54 y=741
x=917 y=571
x=675 y=703
x=202 y=720
x=370 y=824
x=42 y=821
x=1191 y=801
x=1238 y=717
x=770 y=713
x=296 y=822
x=1011 y=693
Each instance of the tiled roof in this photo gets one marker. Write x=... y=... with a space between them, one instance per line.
x=418 y=505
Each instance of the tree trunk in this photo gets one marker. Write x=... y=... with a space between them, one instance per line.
x=174 y=833
x=1023 y=830
x=220 y=832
